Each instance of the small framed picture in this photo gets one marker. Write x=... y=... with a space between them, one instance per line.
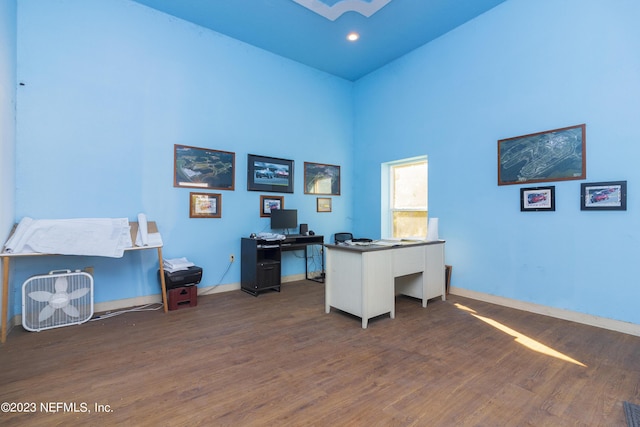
x=323 y=204
x=205 y=205
x=603 y=196
x=269 y=203
x=538 y=199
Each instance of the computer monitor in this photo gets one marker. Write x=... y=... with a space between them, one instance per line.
x=284 y=219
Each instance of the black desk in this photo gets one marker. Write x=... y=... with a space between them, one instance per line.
x=260 y=261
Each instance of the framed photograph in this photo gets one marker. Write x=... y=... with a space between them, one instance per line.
x=323 y=204
x=203 y=168
x=205 y=205
x=268 y=203
x=554 y=155
x=321 y=179
x=603 y=196
x=538 y=199
x=269 y=174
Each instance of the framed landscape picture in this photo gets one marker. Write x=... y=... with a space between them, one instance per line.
x=321 y=179
x=603 y=196
x=269 y=174
x=203 y=168
x=554 y=155
x=538 y=199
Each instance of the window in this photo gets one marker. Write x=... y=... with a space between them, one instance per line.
x=404 y=206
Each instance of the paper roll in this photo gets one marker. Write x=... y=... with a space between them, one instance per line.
x=17 y=240
x=143 y=231
x=432 y=229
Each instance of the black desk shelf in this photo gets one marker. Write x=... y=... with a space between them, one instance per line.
x=260 y=269
x=261 y=261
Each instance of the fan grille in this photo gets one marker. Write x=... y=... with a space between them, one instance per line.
x=57 y=299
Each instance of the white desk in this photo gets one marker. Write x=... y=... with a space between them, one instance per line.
x=364 y=280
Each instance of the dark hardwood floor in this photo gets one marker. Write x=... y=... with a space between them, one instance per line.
x=280 y=360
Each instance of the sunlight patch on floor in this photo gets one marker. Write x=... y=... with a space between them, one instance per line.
x=521 y=338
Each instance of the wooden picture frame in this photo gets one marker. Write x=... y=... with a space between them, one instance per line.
x=205 y=205
x=321 y=179
x=323 y=204
x=267 y=203
x=269 y=174
x=554 y=155
x=603 y=196
x=203 y=168
x=535 y=199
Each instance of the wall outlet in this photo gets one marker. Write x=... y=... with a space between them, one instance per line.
x=232 y=258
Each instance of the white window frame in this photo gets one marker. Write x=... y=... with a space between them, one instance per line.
x=386 y=211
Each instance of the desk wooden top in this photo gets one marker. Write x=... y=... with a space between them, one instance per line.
x=151 y=228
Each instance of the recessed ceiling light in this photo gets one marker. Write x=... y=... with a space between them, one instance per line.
x=353 y=36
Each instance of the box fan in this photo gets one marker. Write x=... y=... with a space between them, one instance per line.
x=60 y=298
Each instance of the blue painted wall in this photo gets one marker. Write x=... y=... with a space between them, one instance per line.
x=523 y=67
x=111 y=86
x=8 y=33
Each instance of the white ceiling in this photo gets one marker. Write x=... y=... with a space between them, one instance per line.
x=313 y=32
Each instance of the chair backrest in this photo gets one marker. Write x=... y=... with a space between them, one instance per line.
x=342 y=237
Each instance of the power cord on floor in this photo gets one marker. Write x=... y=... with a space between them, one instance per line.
x=147 y=307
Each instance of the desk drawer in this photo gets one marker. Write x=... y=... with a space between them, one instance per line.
x=408 y=260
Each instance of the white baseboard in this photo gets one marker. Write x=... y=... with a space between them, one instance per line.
x=293 y=278
x=209 y=290
x=600 y=322
x=587 y=319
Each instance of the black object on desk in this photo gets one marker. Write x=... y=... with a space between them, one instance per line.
x=362 y=240
x=176 y=279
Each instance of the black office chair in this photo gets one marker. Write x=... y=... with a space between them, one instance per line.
x=339 y=238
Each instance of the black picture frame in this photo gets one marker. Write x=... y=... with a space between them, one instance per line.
x=321 y=179
x=553 y=155
x=536 y=199
x=269 y=174
x=603 y=196
x=203 y=168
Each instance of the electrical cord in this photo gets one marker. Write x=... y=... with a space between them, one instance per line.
x=316 y=254
x=312 y=259
x=219 y=281
x=109 y=314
